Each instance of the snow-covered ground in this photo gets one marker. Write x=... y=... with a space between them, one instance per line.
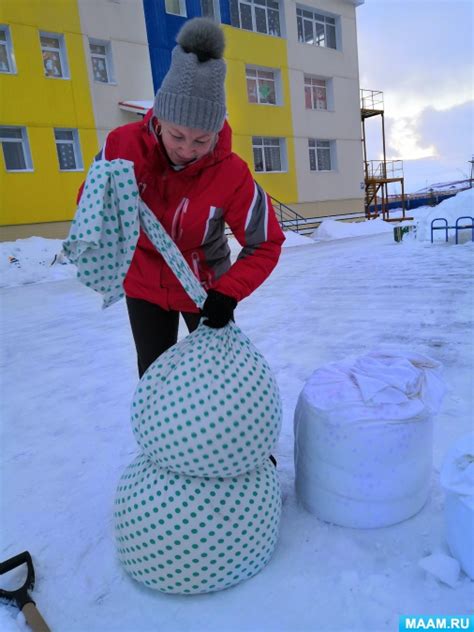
x=453 y=186
x=68 y=376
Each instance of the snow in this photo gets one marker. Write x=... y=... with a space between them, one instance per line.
x=295 y=239
x=453 y=186
x=35 y=260
x=459 y=205
x=32 y=260
x=443 y=567
x=331 y=229
x=68 y=376
x=452 y=208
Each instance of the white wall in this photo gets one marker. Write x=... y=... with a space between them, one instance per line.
x=122 y=22
x=342 y=123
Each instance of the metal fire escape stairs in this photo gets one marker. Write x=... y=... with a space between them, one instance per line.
x=379 y=173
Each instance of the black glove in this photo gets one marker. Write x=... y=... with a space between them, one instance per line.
x=218 y=309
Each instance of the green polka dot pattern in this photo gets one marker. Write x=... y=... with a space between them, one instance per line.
x=171 y=254
x=209 y=406
x=180 y=534
x=105 y=228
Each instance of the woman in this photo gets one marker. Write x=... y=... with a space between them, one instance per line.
x=194 y=184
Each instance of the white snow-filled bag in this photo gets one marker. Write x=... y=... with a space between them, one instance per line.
x=180 y=534
x=209 y=406
x=363 y=438
x=457 y=478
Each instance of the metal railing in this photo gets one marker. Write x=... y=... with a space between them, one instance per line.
x=381 y=169
x=371 y=99
x=287 y=217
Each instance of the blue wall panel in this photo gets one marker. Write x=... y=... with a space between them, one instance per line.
x=415 y=202
x=225 y=11
x=162 y=28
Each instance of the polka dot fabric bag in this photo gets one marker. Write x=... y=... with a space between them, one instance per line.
x=199 y=510
x=181 y=534
x=209 y=406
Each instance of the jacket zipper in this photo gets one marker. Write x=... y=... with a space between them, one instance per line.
x=177 y=225
x=197 y=271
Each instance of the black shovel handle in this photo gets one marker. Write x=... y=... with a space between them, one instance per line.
x=18 y=560
x=20 y=596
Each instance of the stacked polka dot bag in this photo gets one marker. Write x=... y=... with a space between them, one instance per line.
x=199 y=509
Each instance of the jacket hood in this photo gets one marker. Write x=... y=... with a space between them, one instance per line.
x=222 y=150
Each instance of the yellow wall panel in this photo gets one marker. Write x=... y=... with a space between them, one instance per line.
x=45 y=194
x=250 y=119
x=58 y=15
x=281 y=186
x=34 y=99
x=30 y=99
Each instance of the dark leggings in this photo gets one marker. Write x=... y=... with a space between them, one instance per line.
x=154 y=329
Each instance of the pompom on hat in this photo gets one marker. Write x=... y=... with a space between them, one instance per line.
x=192 y=93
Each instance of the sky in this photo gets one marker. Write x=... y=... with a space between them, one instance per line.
x=420 y=53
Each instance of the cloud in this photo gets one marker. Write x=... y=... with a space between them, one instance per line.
x=446 y=136
x=452 y=131
x=404 y=139
x=419 y=53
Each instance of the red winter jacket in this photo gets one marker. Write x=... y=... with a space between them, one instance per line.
x=193 y=205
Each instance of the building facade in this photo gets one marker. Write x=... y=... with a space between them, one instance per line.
x=65 y=67
x=118 y=59
x=47 y=126
x=71 y=70
x=292 y=92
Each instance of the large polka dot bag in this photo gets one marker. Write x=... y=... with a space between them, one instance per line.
x=209 y=406
x=199 y=509
x=184 y=534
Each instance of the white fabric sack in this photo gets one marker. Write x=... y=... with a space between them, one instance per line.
x=209 y=406
x=363 y=438
x=181 y=534
x=457 y=478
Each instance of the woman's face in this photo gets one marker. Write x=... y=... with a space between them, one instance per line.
x=186 y=144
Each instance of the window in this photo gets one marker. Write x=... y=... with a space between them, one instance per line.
x=54 y=55
x=16 y=150
x=268 y=154
x=101 y=59
x=315 y=28
x=7 y=60
x=210 y=9
x=69 y=152
x=176 y=7
x=315 y=93
x=262 y=16
x=263 y=86
x=320 y=155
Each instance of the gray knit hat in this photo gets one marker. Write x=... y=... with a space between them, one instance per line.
x=192 y=93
